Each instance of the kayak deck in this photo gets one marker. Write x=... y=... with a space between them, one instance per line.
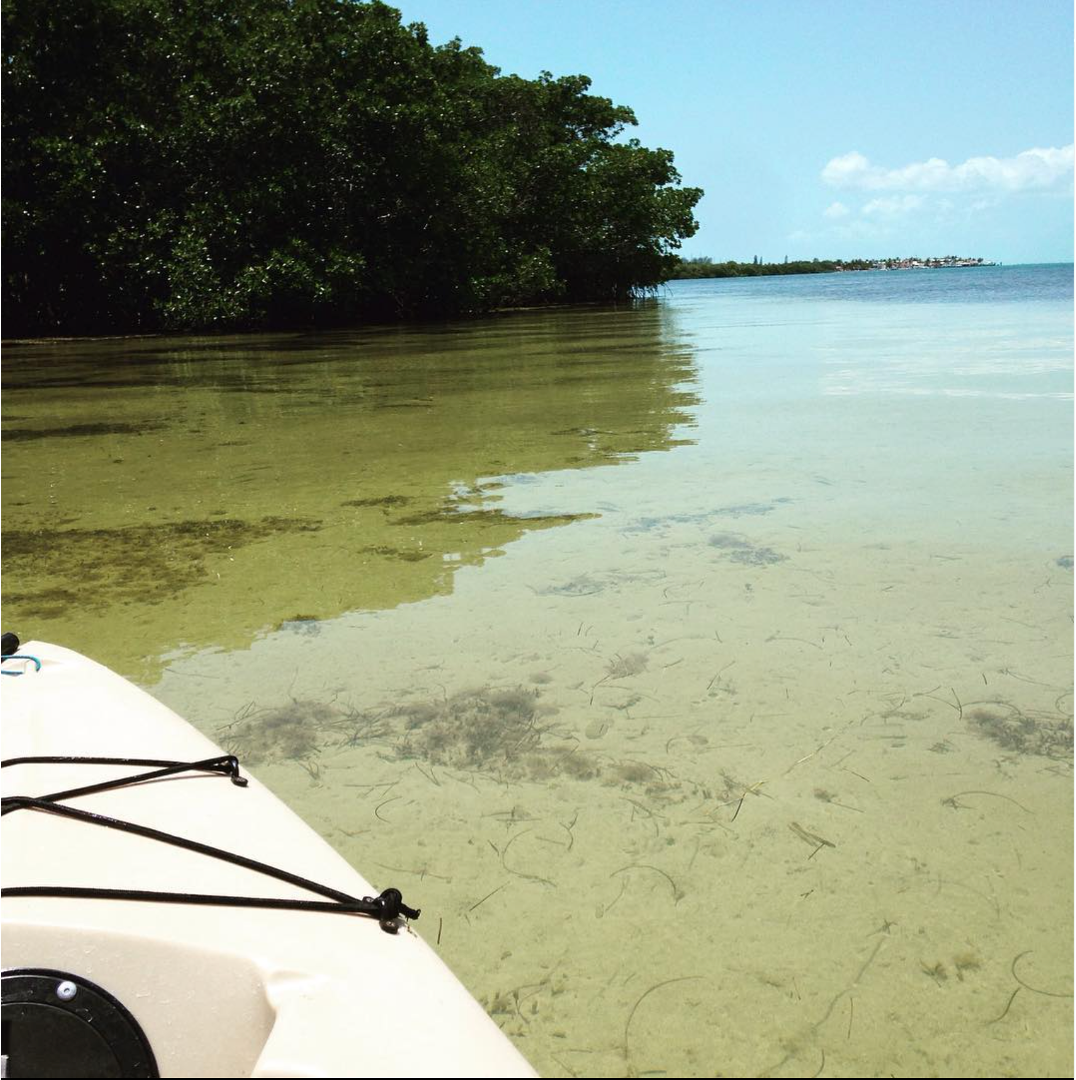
x=218 y=990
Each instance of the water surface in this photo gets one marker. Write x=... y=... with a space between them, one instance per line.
x=702 y=668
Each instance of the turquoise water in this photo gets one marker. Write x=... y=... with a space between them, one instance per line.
x=702 y=667
x=1048 y=283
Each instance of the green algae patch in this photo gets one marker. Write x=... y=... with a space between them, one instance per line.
x=50 y=570
x=450 y=514
x=76 y=431
x=1039 y=734
x=401 y=554
x=385 y=502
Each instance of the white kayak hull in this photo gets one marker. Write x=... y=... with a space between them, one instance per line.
x=217 y=991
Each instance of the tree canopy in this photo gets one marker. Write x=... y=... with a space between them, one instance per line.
x=185 y=164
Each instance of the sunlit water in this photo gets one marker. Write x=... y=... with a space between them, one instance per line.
x=702 y=668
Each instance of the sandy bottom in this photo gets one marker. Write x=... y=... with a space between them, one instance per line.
x=716 y=794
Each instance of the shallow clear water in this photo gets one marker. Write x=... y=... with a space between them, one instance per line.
x=702 y=668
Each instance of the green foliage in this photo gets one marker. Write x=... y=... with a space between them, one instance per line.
x=242 y=163
x=705 y=267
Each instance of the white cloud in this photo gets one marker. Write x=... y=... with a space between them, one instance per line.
x=836 y=210
x=1033 y=169
x=891 y=206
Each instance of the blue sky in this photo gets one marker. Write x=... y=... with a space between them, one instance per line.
x=825 y=128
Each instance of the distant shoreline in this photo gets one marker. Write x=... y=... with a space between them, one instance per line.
x=705 y=267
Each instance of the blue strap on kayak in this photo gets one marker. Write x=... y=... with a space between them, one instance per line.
x=21 y=656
